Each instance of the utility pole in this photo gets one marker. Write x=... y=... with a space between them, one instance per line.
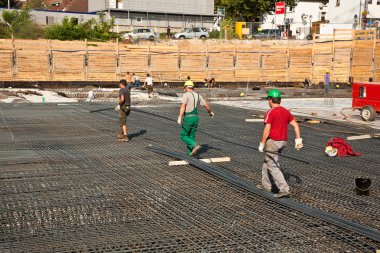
x=365 y=13
x=9 y=4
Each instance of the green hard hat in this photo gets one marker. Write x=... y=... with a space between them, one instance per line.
x=274 y=94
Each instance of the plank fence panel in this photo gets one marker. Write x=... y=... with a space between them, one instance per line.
x=300 y=62
x=376 y=65
x=346 y=54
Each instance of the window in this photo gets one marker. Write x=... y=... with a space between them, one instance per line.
x=362 y=92
x=378 y=2
x=291 y=9
x=49 y=20
x=337 y=3
x=369 y=1
x=138 y=20
x=197 y=30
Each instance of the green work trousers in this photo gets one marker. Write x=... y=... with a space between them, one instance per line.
x=189 y=127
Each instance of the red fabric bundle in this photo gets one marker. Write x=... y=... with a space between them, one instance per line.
x=344 y=149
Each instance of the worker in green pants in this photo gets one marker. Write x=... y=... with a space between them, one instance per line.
x=188 y=116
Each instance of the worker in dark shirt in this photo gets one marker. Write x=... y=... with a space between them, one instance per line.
x=124 y=108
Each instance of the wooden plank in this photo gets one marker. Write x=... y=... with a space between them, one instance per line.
x=206 y=160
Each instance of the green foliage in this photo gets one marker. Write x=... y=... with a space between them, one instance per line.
x=249 y=10
x=20 y=25
x=214 y=34
x=228 y=26
x=35 y=4
x=71 y=29
x=4 y=31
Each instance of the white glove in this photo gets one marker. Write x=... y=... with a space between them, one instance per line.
x=117 y=108
x=261 y=147
x=179 y=120
x=212 y=114
x=299 y=144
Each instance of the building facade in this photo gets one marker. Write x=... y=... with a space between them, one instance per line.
x=160 y=14
x=129 y=14
x=299 y=19
x=353 y=12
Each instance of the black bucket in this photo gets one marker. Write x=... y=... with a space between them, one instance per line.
x=362 y=186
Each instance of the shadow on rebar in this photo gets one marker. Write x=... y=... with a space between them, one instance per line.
x=205 y=148
x=137 y=134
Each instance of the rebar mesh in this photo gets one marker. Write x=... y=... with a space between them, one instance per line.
x=68 y=185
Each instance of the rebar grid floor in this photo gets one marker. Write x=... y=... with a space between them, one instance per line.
x=68 y=185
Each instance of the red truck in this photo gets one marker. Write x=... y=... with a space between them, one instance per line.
x=366 y=98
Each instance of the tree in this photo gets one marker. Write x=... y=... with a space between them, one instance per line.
x=249 y=10
x=35 y=4
x=71 y=29
x=19 y=23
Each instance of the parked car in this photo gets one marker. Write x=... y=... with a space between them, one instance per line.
x=141 y=33
x=193 y=32
x=267 y=34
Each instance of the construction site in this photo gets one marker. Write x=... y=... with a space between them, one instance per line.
x=67 y=184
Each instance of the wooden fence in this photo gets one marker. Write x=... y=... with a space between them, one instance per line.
x=348 y=55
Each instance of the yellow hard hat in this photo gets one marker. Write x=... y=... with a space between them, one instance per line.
x=189 y=84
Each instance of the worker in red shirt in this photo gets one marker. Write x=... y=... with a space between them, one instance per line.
x=275 y=136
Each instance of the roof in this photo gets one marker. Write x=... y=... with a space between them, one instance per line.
x=67 y=5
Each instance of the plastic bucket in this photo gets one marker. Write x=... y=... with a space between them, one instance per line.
x=362 y=186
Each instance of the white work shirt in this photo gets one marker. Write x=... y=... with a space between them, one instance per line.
x=149 y=80
x=189 y=98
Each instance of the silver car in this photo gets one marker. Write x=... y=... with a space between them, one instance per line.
x=193 y=32
x=141 y=33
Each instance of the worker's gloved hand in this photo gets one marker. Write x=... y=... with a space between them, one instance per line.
x=117 y=108
x=299 y=144
x=212 y=114
x=179 y=120
x=261 y=147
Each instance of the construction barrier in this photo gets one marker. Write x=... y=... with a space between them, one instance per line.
x=348 y=56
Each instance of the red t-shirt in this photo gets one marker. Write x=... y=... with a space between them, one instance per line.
x=279 y=119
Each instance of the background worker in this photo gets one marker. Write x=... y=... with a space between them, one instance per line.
x=136 y=80
x=275 y=136
x=124 y=108
x=188 y=116
x=209 y=82
x=327 y=84
x=128 y=77
x=168 y=34
x=149 y=85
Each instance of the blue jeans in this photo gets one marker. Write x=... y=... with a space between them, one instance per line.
x=136 y=83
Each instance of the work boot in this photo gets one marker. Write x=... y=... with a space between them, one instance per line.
x=125 y=138
x=282 y=195
x=195 y=150
x=261 y=187
x=120 y=136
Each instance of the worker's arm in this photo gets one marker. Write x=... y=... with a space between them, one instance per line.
x=121 y=99
x=182 y=110
x=298 y=140
x=209 y=110
x=266 y=133
x=296 y=128
x=181 y=113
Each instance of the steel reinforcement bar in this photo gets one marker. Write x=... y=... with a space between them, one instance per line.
x=237 y=181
